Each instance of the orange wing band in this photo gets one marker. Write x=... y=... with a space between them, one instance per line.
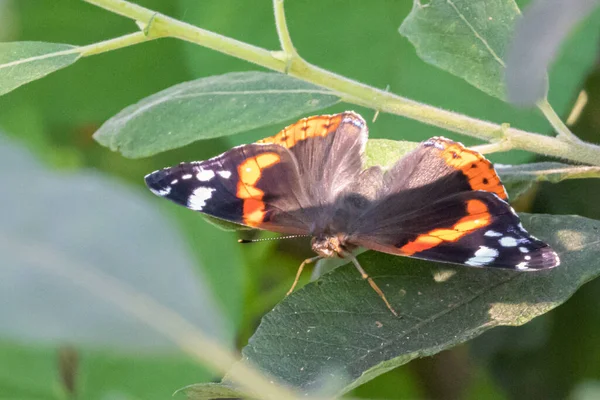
x=321 y=125
x=477 y=168
x=250 y=172
x=478 y=217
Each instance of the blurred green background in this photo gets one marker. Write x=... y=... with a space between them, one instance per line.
x=101 y=199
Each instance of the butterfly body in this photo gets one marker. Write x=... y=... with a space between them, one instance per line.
x=440 y=202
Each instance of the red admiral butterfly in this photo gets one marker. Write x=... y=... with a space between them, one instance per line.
x=440 y=202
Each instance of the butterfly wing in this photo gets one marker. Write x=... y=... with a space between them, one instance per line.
x=329 y=150
x=451 y=166
x=443 y=202
x=284 y=183
x=256 y=185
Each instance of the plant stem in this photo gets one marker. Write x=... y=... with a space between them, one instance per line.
x=564 y=132
x=361 y=94
x=284 y=35
x=492 y=147
x=113 y=44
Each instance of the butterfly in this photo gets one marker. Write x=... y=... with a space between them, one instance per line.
x=441 y=202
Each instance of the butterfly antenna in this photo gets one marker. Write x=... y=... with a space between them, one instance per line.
x=274 y=238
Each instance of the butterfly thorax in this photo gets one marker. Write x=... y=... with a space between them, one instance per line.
x=330 y=246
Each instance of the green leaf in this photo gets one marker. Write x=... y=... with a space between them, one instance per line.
x=519 y=178
x=91 y=229
x=385 y=153
x=338 y=331
x=207 y=108
x=23 y=62
x=466 y=38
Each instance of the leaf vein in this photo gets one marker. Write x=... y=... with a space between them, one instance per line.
x=477 y=35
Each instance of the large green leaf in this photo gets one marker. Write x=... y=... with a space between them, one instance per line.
x=467 y=38
x=23 y=62
x=207 y=108
x=336 y=332
x=90 y=229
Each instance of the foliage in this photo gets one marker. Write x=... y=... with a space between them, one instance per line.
x=94 y=264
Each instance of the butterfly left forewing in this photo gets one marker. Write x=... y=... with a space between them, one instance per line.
x=255 y=185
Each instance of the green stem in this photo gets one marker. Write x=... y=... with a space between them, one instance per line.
x=356 y=92
x=559 y=126
x=114 y=44
x=284 y=35
x=493 y=147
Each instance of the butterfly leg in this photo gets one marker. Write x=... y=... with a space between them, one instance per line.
x=307 y=261
x=370 y=280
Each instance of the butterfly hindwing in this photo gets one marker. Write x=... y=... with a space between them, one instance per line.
x=474 y=228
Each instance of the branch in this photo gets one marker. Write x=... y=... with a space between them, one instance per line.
x=114 y=44
x=355 y=92
x=282 y=31
x=559 y=126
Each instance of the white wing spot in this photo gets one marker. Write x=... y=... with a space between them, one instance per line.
x=508 y=241
x=483 y=256
x=528 y=258
x=205 y=175
x=161 y=192
x=492 y=234
x=198 y=199
x=522 y=265
x=523 y=249
x=174 y=181
x=186 y=176
x=224 y=174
